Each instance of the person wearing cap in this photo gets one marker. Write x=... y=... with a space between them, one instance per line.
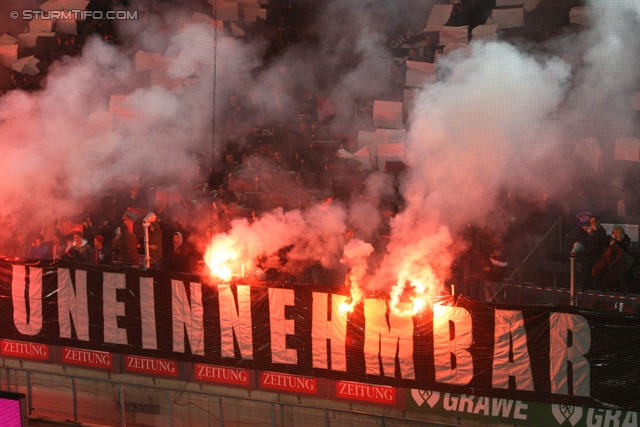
x=100 y=254
x=495 y=270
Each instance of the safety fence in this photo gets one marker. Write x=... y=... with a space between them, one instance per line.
x=103 y=402
x=524 y=295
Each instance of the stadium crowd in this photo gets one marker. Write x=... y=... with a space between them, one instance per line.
x=294 y=163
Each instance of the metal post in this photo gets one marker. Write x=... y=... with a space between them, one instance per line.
x=147 y=256
x=381 y=421
x=326 y=418
x=123 y=421
x=572 y=279
x=220 y=409
x=273 y=415
x=29 y=403
x=75 y=399
x=170 y=408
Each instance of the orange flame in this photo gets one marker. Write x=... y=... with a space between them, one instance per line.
x=355 y=298
x=353 y=282
x=416 y=291
x=346 y=307
x=223 y=259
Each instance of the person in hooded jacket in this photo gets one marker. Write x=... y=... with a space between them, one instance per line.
x=81 y=245
x=179 y=260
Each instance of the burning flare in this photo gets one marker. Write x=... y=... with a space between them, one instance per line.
x=355 y=255
x=416 y=291
x=222 y=258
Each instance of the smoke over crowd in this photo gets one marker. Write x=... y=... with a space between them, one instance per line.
x=505 y=118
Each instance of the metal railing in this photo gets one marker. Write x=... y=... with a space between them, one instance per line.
x=61 y=397
x=516 y=274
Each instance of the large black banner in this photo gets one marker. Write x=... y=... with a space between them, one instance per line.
x=561 y=355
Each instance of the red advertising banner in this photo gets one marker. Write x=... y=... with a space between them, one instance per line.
x=95 y=359
x=286 y=382
x=366 y=392
x=25 y=350
x=150 y=365
x=221 y=374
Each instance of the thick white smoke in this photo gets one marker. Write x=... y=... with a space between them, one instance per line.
x=487 y=124
x=314 y=235
x=98 y=118
x=600 y=103
x=503 y=117
x=497 y=120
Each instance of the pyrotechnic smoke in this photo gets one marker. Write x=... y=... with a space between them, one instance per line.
x=504 y=117
x=98 y=118
x=471 y=134
x=499 y=120
x=314 y=235
x=599 y=103
x=488 y=125
x=356 y=253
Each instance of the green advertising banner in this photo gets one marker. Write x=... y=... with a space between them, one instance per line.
x=506 y=411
